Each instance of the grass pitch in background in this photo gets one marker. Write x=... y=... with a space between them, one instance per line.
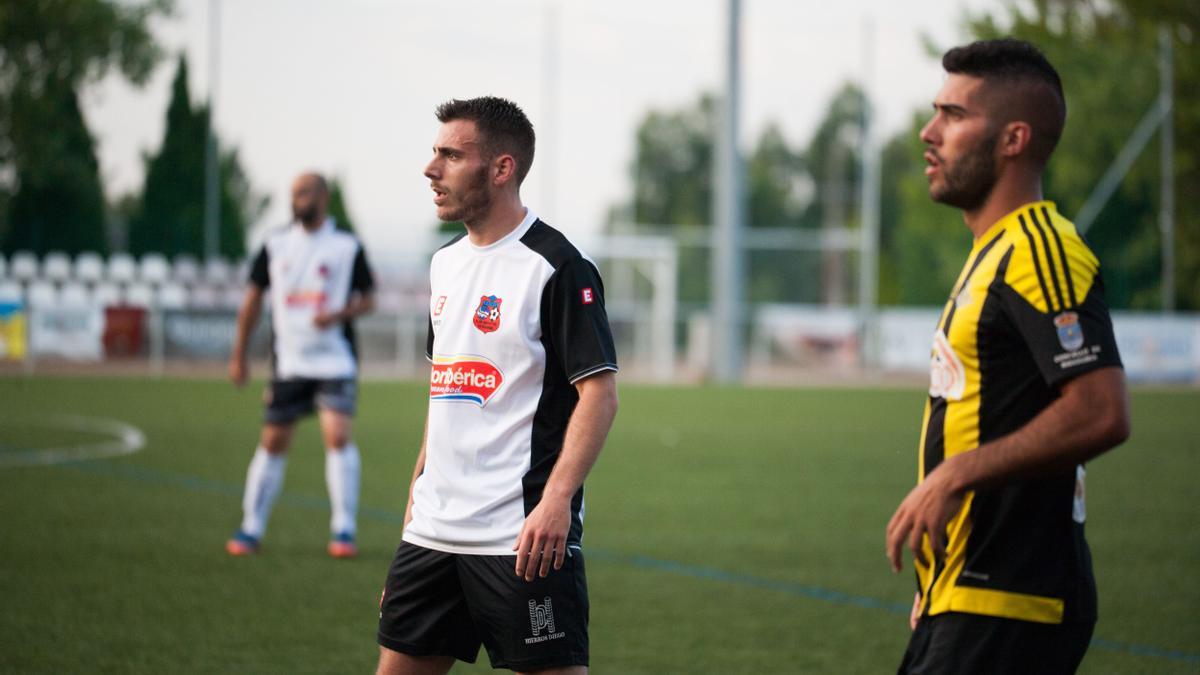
x=728 y=530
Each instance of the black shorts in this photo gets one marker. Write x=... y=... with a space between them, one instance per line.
x=972 y=644
x=446 y=604
x=289 y=400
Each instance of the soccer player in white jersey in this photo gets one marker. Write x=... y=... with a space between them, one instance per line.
x=522 y=395
x=318 y=280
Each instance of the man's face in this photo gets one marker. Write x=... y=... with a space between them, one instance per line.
x=960 y=144
x=458 y=174
x=308 y=200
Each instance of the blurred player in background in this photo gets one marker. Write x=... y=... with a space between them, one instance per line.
x=318 y=280
x=522 y=395
x=1026 y=386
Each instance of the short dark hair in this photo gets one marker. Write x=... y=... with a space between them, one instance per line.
x=1030 y=89
x=502 y=125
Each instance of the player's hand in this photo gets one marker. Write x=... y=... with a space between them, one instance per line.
x=543 y=539
x=915 y=615
x=324 y=320
x=925 y=511
x=237 y=371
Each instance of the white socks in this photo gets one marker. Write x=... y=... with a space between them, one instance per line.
x=342 y=470
x=264 y=480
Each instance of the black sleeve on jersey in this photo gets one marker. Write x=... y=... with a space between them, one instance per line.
x=1069 y=343
x=260 y=270
x=429 y=340
x=575 y=322
x=361 y=279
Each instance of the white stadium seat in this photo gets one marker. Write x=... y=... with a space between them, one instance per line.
x=89 y=267
x=11 y=291
x=121 y=268
x=185 y=269
x=74 y=294
x=153 y=269
x=205 y=296
x=232 y=297
x=23 y=266
x=108 y=294
x=173 y=295
x=42 y=294
x=243 y=271
x=217 y=271
x=56 y=266
x=140 y=295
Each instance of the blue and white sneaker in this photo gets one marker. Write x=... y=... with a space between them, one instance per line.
x=242 y=544
x=342 y=546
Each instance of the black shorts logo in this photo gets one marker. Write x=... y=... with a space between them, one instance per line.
x=541 y=620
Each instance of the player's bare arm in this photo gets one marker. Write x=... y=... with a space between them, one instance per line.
x=417 y=470
x=543 y=537
x=1090 y=417
x=359 y=304
x=247 y=316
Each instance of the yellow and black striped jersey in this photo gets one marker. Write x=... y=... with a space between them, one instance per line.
x=1026 y=314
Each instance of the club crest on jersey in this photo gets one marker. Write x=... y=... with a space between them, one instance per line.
x=465 y=377
x=487 y=315
x=1070 y=333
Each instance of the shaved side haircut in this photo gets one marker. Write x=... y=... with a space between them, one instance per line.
x=502 y=125
x=1019 y=85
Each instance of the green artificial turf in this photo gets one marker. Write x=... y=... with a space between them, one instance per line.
x=728 y=530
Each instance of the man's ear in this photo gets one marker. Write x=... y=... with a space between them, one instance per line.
x=1014 y=139
x=504 y=169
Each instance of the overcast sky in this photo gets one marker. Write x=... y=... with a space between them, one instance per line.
x=348 y=87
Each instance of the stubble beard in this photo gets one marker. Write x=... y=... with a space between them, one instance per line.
x=475 y=204
x=968 y=183
x=307 y=216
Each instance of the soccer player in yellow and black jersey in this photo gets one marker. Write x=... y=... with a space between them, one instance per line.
x=1026 y=385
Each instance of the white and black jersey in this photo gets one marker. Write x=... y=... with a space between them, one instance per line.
x=513 y=326
x=307 y=272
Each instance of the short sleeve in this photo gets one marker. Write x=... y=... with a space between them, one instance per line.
x=361 y=279
x=1070 y=341
x=429 y=341
x=575 y=321
x=260 y=269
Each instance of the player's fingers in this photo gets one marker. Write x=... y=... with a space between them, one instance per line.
x=560 y=554
x=547 y=559
x=914 y=544
x=937 y=543
x=522 y=549
x=535 y=556
x=895 y=540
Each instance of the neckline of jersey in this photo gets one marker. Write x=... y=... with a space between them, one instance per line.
x=1008 y=219
x=326 y=226
x=518 y=232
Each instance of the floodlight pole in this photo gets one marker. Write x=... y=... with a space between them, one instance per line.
x=1166 y=212
x=212 y=191
x=868 y=264
x=728 y=218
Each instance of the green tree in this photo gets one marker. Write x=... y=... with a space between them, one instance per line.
x=49 y=51
x=170 y=218
x=785 y=188
x=337 y=205
x=1106 y=54
x=58 y=204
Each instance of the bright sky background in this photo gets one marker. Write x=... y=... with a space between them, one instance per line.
x=348 y=87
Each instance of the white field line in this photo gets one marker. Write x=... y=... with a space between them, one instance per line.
x=123 y=439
